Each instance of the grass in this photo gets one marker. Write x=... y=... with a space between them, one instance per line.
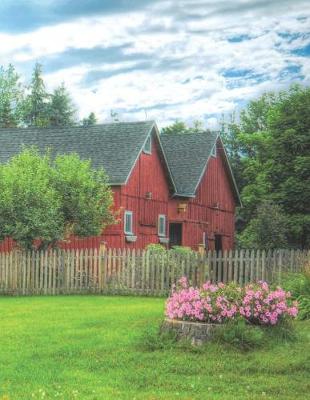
x=88 y=347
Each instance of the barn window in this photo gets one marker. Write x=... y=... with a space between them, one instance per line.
x=128 y=223
x=161 y=225
x=213 y=152
x=148 y=146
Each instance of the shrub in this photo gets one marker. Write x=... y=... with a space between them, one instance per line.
x=156 y=248
x=261 y=306
x=299 y=286
x=256 y=303
x=183 y=250
x=304 y=307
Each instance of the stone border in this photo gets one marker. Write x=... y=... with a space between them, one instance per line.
x=197 y=332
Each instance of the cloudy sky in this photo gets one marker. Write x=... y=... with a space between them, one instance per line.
x=159 y=59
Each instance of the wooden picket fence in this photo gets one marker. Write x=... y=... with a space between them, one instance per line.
x=137 y=272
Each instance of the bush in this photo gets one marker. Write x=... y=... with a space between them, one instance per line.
x=255 y=303
x=299 y=286
x=156 y=248
x=304 y=307
x=183 y=250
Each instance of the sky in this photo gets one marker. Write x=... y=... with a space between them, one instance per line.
x=165 y=60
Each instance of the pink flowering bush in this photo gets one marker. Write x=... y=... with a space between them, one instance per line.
x=262 y=306
x=219 y=303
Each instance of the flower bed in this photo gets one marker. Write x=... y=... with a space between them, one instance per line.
x=213 y=304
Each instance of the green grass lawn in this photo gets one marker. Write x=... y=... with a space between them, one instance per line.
x=84 y=347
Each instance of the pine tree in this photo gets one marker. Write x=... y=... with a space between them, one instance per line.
x=11 y=97
x=61 y=110
x=36 y=111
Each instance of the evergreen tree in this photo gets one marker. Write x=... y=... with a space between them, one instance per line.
x=61 y=109
x=36 y=110
x=11 y=97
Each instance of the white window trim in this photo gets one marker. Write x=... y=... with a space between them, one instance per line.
x=131 y=215
x=162 y=234
x=213 y=152
x=149 y=150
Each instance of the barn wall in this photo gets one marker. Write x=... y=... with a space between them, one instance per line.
x=148 y=176
x=212 y=211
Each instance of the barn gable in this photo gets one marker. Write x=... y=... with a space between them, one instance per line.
x=188 y=157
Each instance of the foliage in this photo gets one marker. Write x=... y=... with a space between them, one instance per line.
x=36 y=108
x=156 y=248
x=182 y=250
x=86 y=197
x=267 y=230
x=32 y=105
x=88 y=347
x=179 y=127
x=46 y=200
x=29 y=204
x=154 y=339
x=61 y=109
x=255 y=303
x=269 y=151
x=90 y=120
x=11 y=97
x=304 y=307
x=238 y=333
x=299 y=286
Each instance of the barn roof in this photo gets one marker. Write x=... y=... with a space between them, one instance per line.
x=188 y=156
x=114 y=146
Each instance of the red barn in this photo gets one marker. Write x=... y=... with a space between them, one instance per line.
x=170 y=189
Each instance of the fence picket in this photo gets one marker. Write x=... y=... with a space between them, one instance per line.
x=137 y=271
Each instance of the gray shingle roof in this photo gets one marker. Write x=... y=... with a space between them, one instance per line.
x=115 y=146
x=187 y=157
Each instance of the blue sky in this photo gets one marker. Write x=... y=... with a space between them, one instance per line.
x=160 y=59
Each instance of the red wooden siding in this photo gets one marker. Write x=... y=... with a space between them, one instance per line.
x=212 y=211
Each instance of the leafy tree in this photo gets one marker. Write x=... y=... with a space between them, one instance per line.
x=288 y=166
x=47 y=200
x=86 y=197
x=30 y=207
x=90 y=120
x=11 y=97
x=61 y=108
x=267 y=230
x=179 y=127
x=36 y=107
x=269 y=150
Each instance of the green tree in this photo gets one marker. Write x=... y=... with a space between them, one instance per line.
x=36 y=105
x=179 y=127
x=11 y=97
x=267 y=230
x=30 y=207
x=86 y=197
x=61 y=108
x=90 y=120
x=269 y=148
x=47 y=200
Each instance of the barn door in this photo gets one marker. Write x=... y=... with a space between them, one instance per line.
x=175 y=234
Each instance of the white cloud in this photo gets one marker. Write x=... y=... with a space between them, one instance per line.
x=191 y=47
